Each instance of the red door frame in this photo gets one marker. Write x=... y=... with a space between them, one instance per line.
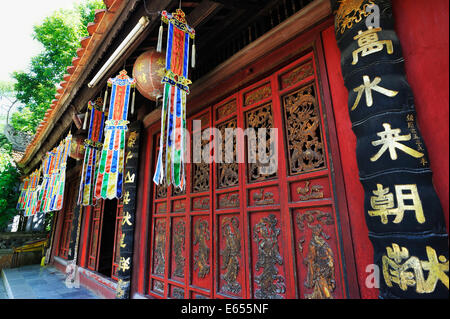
x=96 y=217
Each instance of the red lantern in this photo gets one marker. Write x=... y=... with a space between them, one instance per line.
x=148 y=71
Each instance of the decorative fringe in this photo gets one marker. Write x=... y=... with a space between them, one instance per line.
x=160 y=36
x=104 y=100
x=193 y=56
x=132 y=101
x=85 y=119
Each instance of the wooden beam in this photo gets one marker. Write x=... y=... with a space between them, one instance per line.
x=203 y=12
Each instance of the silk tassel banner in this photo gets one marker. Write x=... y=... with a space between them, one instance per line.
x=92 y=146
x=109 y=180
x=176 y=87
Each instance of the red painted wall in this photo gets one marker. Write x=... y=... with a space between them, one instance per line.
x=423 y=31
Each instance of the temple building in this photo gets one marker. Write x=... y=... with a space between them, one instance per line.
x=347 y=197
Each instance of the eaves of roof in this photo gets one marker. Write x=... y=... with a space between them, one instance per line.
x=103 y=21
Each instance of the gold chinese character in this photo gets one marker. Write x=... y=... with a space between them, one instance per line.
x=436 y=271
x=367 y=88
x=129 y=178
x=393 y=272
x=409 y=117
x=129 y=155
x=368 y=43
x=423 y=161
x=122 y=241
x=126 y=219
x=400 y=274
x=383 y=203
x=143 y=78
x=389 y=139
x=126 y=198
x=132 y=139
x=124 y=264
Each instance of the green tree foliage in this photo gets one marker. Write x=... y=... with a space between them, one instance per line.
x=60 y=36
x=9 y=183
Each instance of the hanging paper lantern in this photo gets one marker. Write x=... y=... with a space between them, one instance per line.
x=148 y=71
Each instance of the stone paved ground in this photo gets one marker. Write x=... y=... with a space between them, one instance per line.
x=36 y=282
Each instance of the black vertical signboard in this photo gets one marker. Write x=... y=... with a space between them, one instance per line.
x=129 y=210
x=403 y=213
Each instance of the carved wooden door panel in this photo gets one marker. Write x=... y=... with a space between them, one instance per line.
x=239 y=231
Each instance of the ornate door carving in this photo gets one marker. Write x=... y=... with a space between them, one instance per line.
x=236 y=232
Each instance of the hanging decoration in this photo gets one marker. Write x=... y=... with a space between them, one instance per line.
x=176 y=87
x=92 y=146
x=109 y=180
x=51 y=193
x=60 y=180
x=23 y=191
x=47 y=168
x=148 y=71
x=31 y=194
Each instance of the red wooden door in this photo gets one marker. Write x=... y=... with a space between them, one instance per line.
x=239 y=232
x=95 y=235
x=67 y=212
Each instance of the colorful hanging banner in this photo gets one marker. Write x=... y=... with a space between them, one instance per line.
x=23 y=191
x=58 y=194
x=92 y=146
x=109 y=180
x=32 y=193
x=47 y=167
x=176 y=87
x=54 y=169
